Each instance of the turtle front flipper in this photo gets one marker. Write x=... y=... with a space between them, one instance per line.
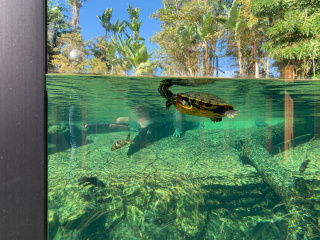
x=177 y=132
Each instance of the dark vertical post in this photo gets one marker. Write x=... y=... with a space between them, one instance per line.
x=288 y=124
x=217 y=66
x=22 y=119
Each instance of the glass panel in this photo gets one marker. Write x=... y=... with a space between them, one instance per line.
x=175 y=151
x=155 y=158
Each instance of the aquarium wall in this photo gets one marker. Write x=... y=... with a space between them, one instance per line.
x=22 y=122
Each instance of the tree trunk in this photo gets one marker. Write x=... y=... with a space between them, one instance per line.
x=239 y=57
x=256 y=59
x=267 y=55
x=189 y=65
x=267 y=67
x=75 y=12
x=205 y=59
x=212 y=56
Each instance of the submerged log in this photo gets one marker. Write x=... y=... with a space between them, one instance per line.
x=283 y=183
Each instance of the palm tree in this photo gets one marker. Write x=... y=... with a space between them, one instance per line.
x=76 y=5
x=108 y=26
x=105 y=21
x=134 y=52
x=135 y=25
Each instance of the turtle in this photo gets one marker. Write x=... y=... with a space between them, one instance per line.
x=200 y=104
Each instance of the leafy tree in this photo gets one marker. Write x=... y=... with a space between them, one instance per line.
x=57 y=24
x=136 y=54
x=65 y=45
x=207 y=34
x=108 y=26
x=178 y=55
x=189 y=37
x=121 y=50
x=293 y=37
x=135 y=24
x=103 y=56
x=105 y=21
x=76 y=5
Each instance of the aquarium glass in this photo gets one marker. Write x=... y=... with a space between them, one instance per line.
x=175 y=119
x=168 y=158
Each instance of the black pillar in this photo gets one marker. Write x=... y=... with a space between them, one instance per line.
x=22 y=119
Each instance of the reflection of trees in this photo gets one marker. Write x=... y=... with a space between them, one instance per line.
x=57 y=25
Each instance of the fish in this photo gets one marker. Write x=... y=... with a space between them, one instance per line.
x=121 y=143
x=304 y=165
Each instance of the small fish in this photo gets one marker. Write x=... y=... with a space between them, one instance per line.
x=121 y=143
x=304 y=165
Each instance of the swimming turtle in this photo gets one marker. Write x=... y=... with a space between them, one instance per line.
x=198 y=104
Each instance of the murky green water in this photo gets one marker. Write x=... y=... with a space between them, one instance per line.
x=240 y=178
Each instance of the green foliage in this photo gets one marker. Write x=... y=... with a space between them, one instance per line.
x=135 y=23
x=192 y=32
x=294 y=35
x=188 y=36
x=108 y=26
x=135 y=53
x=105 y=20
x=65 y=45
x=57 y=24
x=231 y=18
x=127 y=52
x=116 y=53
x=103 y=55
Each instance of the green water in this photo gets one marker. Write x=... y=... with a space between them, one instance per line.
x=240 y=178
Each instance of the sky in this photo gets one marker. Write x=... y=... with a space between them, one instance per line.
x=91 y=27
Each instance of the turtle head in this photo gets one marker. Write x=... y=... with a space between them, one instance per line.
x=231 y=113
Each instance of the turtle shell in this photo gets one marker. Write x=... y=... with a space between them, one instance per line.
x=203 y=105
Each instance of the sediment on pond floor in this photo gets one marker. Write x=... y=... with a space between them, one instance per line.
x=196 y=187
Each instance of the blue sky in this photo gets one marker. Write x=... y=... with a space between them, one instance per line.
x=91 y=26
